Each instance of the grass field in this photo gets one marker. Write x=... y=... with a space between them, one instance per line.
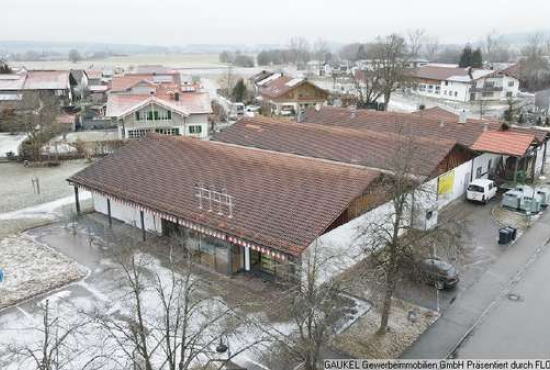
x=172 y=60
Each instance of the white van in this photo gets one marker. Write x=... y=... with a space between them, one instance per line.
x=481 y=190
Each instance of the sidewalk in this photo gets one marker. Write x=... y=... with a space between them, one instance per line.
x=443 y=337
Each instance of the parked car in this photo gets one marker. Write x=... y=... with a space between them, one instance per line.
x=435 y=271
x=481 y=190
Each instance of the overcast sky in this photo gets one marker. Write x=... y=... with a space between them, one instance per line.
x=180 y=22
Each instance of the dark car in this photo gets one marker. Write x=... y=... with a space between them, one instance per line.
x=438 y=273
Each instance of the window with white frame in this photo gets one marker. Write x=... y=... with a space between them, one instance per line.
x=133 y=134
x=154 y=114
x=195 y=129
x=168 y=131
x=511 y=83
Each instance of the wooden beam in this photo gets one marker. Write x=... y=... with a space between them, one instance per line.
x=77 y=200
x=142 y=217
x=109 y=212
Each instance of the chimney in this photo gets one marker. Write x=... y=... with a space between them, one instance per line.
x=463 y=118
x=485 y=125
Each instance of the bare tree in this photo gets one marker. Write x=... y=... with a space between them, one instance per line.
x=299 y=50
x=74 y=56
x=59 y=345
x=318 y=306
x=387 y=72
x=321 y=50
x=395 y=239
x=432 y=48
x=534 y=69
x=182 y=332
x=495 y=49
x=415 y=41
x=36 y=116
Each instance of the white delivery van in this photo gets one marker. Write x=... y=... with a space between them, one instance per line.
x=481 y=190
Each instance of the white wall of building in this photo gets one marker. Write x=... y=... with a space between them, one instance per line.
x=127 y=214
x=445 y=90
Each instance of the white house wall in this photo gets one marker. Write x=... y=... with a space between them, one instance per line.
x=540 y=158
x=464 y=174
x=127 y=214
x=342 y=247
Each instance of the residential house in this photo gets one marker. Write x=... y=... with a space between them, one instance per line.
x=464 y=84
x=287 y=96
x=64 y=85
x=95 y=77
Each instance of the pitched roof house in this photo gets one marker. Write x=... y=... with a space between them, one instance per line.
x=142 y=103
x=285 y=95
x=240 y=200
x=464 y=84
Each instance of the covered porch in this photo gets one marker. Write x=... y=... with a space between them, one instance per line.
x=520 y=153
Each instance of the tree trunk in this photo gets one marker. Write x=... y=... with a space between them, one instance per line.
x=386 y=306
x=387 y=96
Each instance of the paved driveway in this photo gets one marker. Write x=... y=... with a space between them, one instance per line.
x=479 y=251
x=518 y=326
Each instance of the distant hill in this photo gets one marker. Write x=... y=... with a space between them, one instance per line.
x=17 y=47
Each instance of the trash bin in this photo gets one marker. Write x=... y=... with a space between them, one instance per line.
x=513 y=232
x=504 y=235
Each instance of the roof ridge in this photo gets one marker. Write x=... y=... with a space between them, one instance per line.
x=347 y=130
x=266 y=151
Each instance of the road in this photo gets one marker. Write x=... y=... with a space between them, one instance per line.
x=517 y=328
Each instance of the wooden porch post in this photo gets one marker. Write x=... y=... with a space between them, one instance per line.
x=109 y=212
x=516 y=172
x=142 y=217
x=534 y=165
x=543 y=158
x=229 y=259
x=247 y=259
x=77 y=200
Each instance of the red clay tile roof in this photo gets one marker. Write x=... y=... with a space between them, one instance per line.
x=404 y=123
x=437 y=113
x=360 y=147
x=439 y=73
x=281 y=86
x=47 y=80
x=126 y=82
x=94 y=74
x=541 y=135
x=190 y=103
x=504 y=142
x=280 y=201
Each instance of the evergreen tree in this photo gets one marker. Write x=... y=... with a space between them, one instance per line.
x=477 y=59
x=466 y=57
x=239 y=91
x=5 y=69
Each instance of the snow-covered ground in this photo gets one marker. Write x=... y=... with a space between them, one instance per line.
x=16 y=188
x=32 y=268
x=104 y=292
x=99 y=135
x=11 y=143
x=50 y=210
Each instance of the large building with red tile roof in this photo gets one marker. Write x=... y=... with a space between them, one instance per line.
x=239 y=208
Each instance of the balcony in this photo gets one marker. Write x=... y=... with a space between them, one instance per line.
x=486 y=88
